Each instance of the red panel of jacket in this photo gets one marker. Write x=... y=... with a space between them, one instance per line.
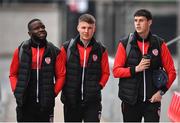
x=34 y=57
x=81 y=52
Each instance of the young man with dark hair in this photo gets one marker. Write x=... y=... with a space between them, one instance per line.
x=35 y=64
x=87 y=73
x=140 y=97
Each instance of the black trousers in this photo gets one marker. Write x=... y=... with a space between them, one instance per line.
x=33 y=113
x=81 y=112
x=150 y=112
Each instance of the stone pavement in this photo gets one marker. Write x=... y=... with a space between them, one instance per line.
x=10 y=114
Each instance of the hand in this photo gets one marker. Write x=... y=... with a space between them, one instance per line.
x=156 y=97
x=144 y=64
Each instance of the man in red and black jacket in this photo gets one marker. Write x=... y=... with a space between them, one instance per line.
x=140 y=98
x=87 y=73
x=35 y=64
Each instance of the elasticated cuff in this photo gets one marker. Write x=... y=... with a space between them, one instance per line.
x=164 y=89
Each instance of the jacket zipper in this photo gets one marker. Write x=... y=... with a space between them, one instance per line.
x=144 y=78
x=37 y=91
x=83 y=72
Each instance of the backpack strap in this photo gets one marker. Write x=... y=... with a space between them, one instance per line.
x=128 y=46
x=21 y=48
x=69 y=48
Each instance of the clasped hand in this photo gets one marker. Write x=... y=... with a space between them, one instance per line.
x=144 y=64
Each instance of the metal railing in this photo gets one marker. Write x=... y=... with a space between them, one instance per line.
x=173 y=40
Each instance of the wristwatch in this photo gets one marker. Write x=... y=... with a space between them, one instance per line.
x=161 y=92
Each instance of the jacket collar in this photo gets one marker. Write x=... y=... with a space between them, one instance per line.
x=92 y=43
x=40 y=43
x=139 y=38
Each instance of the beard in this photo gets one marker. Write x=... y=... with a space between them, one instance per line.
x=38 y=40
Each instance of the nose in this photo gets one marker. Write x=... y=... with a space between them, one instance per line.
x=138 y=22
x=41 y=29
x=86 y=30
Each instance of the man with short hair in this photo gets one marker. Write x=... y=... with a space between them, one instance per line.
x=140 y=97
x=34 y=65
x=87 y=73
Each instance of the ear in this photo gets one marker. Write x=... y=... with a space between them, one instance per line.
x=150 y=22
x=30 y=34
x=95 y=28
x=78 y=27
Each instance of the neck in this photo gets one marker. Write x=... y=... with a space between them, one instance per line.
x=143 y=36
x=36 y=42
x=85 y=43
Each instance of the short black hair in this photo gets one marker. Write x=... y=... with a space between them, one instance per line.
x=31 y=21
x=87 y=18
x=143 y=12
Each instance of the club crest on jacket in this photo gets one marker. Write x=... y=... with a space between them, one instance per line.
x=155 y=52
x=95 y=57
x=48 y=60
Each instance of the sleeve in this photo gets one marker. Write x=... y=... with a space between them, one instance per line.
x=168 y=65
x=13 y=75
x=119 y=71
x=105 y=69
x=60 y=71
